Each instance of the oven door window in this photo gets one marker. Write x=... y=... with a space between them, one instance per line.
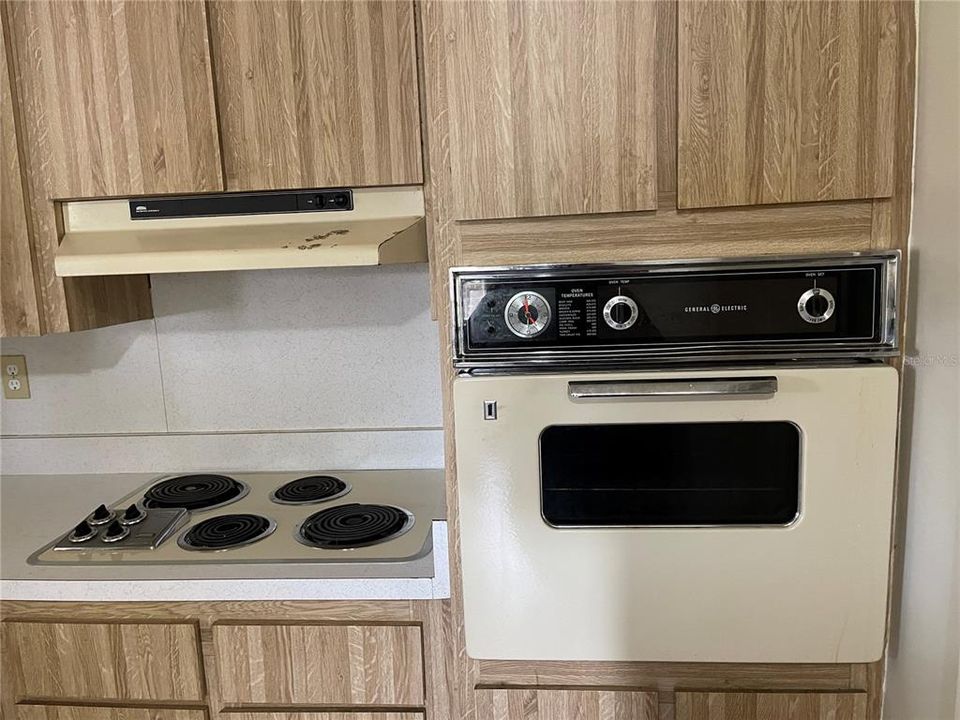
x=672 y=474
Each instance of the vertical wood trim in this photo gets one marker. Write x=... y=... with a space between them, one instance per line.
x=19 y=311
x=665 y=94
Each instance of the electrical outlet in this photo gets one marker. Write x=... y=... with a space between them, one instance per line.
x=16 y=383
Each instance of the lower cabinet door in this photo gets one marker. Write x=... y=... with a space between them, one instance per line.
x=771 y=706
x=104 y=661
x=73 y=712
x=330 y=664
x=536 y=704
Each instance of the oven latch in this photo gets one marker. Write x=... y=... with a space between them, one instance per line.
x=489 y=409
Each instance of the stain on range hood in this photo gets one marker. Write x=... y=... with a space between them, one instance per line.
x=243 y=231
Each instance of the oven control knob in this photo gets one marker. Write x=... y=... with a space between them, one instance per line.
x=816 y=305
x=620 y=312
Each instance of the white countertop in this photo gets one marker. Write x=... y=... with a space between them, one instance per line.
x=34 y=509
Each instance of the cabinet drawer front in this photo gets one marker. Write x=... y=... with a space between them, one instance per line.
x=72 y=712
x=764 y=705
x=320 y=664
x=109 y=661
x=534 y=704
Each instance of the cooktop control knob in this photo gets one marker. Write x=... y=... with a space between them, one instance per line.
x=83 y=532
x=816 y=305
x=101 y=516
x=620 y=312
x=132 y=515
x=115 y=532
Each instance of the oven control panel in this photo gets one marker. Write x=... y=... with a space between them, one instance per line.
x=797 y=307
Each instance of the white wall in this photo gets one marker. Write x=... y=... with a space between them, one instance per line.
x=282 y=369
x=924 y=646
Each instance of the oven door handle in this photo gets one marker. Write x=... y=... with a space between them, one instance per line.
x=693 y=387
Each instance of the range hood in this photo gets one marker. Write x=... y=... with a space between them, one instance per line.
x=242 y=231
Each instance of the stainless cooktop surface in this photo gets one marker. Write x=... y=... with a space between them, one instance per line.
x=296 y=517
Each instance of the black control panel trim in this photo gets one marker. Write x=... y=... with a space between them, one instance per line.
x=262 y=203
x=716 y=308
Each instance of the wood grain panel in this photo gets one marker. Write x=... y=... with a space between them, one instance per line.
x=319 y=664
x=317 y=93
x=786 y=101
x=541 y=704
x=19 y=313
x=206 y=612
x=87 y=712
x=322 y=716
x=547 y=107
x=122 y=661
x=117 y=97
x=801 y=229
x=770 y=706
x=666 y=676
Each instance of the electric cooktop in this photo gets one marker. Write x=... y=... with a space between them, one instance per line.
x=336 y=516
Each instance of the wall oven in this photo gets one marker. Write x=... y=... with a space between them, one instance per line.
x=677 y=461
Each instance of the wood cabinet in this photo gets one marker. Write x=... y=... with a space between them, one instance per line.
x=770 y=705
x=316 y=93
x=558 y=704
x=541 y=108
x=786 y=102
x=89 y=712
x=112 y=98
x=104 y=661
x=296 y=664
x=345 y=715
x=116 y=97
x=19 y=314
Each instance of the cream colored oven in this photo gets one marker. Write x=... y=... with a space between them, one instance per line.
x=680 y=462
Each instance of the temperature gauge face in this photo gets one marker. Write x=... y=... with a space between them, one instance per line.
x=527 y=314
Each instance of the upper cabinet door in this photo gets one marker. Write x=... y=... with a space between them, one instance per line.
x=545 y=108
x=317 y=94
x=116 y=97
x=785 y=101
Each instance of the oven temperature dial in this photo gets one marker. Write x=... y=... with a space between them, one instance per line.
x=527 y=314
x=816 y=305
x=620 y=312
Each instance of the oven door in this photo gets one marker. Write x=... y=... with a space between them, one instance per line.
x=737 y=515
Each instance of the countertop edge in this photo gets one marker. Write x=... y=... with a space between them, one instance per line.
x=430 y=588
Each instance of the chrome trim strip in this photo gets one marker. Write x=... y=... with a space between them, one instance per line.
x=693 y=387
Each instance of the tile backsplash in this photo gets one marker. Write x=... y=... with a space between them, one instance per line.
x=324 y=350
